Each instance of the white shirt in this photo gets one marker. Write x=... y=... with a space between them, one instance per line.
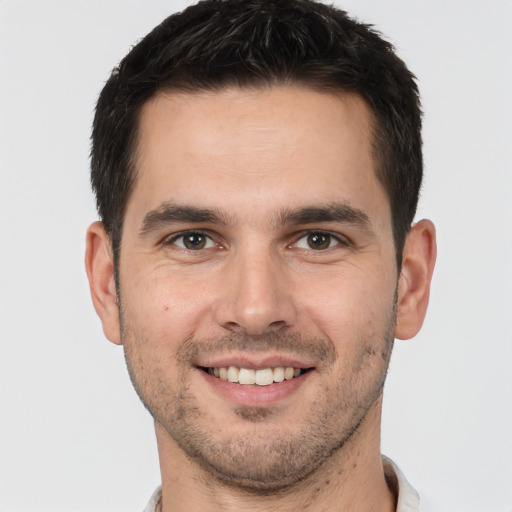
x=408 y=498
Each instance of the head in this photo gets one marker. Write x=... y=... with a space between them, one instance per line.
x=259 y=44
x=257 y=167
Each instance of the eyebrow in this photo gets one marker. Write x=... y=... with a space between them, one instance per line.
x=169 y=213
x=333 y=212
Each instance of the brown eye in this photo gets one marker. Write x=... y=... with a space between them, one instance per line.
x=319 y=241
x=193 y=241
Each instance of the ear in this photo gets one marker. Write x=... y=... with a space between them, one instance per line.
x=99 y=265
x=419 y=258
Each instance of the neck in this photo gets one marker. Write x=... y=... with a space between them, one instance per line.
x=352 y=479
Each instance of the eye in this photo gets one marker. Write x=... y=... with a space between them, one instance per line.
x=192 y=241
x=317 y=241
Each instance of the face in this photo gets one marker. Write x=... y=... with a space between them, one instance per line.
x=258 y=279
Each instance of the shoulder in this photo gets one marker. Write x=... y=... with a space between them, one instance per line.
x=408 y=497
x=154 y=501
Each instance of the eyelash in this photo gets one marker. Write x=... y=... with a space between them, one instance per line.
x=210 y=242
x=334 y=240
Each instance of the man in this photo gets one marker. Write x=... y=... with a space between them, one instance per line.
x=257 y=167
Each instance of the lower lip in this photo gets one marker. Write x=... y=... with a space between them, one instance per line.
x=255 y=396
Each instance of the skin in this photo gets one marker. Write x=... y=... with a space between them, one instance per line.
x=270 y=166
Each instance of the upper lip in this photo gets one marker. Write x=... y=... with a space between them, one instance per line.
x=255 y=361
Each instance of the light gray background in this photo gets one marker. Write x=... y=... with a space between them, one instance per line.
x=73 y=436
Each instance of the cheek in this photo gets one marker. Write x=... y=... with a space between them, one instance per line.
x=164 y=307
x=352 y=307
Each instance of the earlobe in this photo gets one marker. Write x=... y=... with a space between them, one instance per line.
x=419 y=258
x=99 y=265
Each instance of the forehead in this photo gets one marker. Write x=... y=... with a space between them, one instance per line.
x=279 y=146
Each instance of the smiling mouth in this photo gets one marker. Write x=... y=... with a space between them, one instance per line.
x=262 y=377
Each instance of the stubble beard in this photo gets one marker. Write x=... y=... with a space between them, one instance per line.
x=272 y=459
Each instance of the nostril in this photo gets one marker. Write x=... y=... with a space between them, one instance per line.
x=235 y=327
x=277 y=324
x=232 y=326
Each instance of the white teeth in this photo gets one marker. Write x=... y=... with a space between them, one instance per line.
x=264 y=377
x=288 y=373
x=247 y=376
x=233 y=374
x=279 y=374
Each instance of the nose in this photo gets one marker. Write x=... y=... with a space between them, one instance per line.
x=256 y=296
